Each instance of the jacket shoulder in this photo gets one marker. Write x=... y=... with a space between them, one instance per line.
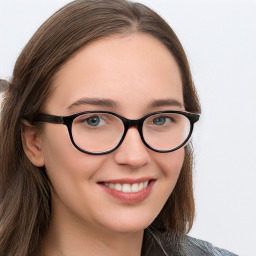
x=164 y=244
x=192 y=246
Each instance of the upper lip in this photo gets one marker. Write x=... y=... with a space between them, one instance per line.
x=128 y=180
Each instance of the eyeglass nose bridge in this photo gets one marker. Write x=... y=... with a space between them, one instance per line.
x=128 y=123
x=133 y=123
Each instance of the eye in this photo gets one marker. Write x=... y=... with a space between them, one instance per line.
x=94 y=121
x=161 y=120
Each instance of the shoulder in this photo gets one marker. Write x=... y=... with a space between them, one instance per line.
x=162 y=243
x=192 y=246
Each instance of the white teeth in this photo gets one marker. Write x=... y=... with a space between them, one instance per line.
x=127 y=188
x=118 y=187
x=145 y=184
x=111 y=185
x=135 y=187
x=141 y=186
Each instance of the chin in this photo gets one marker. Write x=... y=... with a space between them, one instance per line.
x=130 y=224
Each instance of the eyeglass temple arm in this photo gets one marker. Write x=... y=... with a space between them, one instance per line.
x=48 y=119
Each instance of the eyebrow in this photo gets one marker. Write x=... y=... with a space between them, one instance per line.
x=113 y=104
x=166 y=102
x=94 y=102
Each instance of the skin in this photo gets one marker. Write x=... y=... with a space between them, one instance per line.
x=132 y=71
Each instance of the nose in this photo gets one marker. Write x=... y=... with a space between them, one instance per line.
x=132 y=152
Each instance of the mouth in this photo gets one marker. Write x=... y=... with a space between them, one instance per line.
x=127 y=190
x=127 y=187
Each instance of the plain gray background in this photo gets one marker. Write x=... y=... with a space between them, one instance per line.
x=219 y=38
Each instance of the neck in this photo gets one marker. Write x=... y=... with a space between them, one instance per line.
x=65 y=238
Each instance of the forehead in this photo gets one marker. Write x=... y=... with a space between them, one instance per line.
x=130 y=70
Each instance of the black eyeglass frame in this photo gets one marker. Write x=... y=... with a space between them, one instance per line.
x=68 y=121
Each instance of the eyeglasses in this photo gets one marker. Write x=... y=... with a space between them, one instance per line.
x=101 y=132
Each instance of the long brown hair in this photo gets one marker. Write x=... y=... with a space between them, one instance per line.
x=25 y=205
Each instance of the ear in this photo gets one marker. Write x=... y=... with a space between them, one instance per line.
x=32 y=143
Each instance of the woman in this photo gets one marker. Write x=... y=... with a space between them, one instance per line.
x=95 y=128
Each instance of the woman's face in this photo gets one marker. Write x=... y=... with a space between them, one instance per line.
x=126 y=75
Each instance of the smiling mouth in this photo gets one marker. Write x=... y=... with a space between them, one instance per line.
x=127 y=190
x=126 y=187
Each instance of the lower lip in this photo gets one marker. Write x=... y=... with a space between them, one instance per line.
x=130 y=197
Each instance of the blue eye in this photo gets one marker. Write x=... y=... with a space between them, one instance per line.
x=161 y=120
x=94 y=121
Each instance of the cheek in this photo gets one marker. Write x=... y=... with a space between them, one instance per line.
x=57 y=149
x=63 y=162
x=71 y=172
x=171 y=164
